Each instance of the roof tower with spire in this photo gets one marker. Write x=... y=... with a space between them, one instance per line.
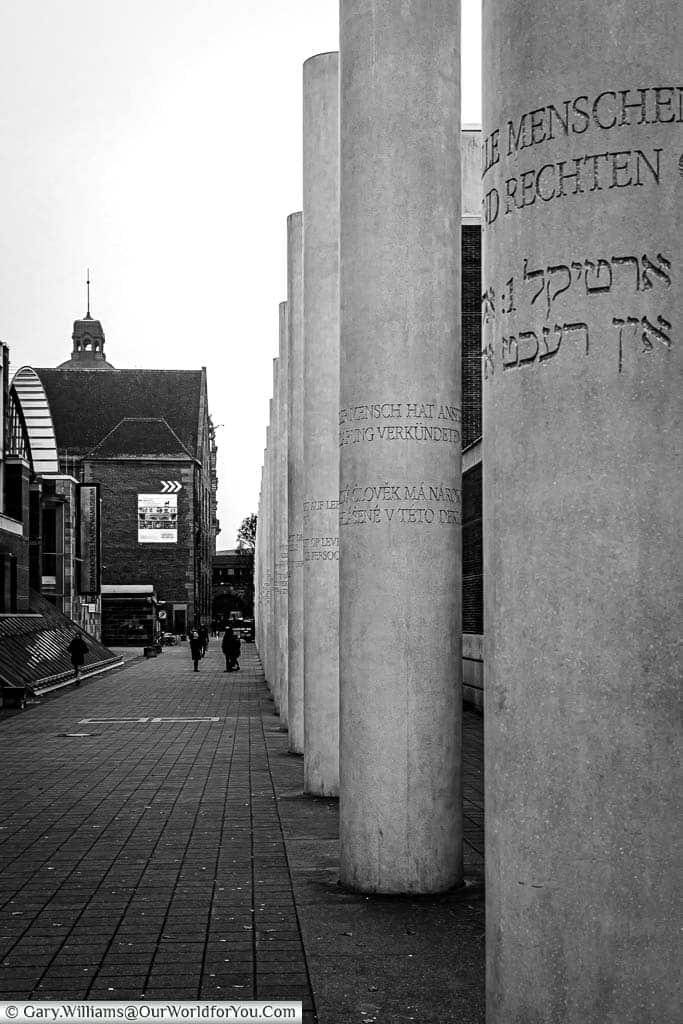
x=88 y=342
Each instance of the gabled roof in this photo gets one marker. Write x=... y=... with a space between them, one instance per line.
x=87 y=406
x=139 y=437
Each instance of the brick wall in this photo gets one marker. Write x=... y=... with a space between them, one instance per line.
x=472 y=553
x=13 y=573
x=169 y=567
x=471 y=333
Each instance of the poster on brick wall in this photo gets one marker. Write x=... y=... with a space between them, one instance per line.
x=157 y=518
x=89 y=538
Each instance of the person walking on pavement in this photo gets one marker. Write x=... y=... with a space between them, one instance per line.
x=78 y=650
x=195 y=648
x=204 y=637
x=231 y=649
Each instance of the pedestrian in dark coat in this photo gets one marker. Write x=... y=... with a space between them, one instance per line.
x=204 y=637
x=231 y=649
x=195 y=648
x=78 y=650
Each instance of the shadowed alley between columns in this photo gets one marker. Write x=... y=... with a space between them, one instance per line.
x=155 y=843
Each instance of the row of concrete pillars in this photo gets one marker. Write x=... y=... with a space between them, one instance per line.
x=358 y=545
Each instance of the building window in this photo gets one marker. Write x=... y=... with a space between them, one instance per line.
x=472 y=553
x=471 y=333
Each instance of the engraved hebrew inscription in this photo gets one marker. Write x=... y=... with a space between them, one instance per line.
x=515 y=343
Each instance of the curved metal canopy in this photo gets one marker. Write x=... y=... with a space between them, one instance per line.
x=36 y=411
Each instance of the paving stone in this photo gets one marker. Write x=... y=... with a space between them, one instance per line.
x=124 y=970
x=222 y=992
x=66 y=972
x=236 y=964
x=231 y=978
x=117 y=988
x=171 y=991
x=57 y=992
x=128 y=868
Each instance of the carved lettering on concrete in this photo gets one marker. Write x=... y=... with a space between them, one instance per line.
x=594 y=276
x=320 y=505
x=411 y=421
x=539 y=289
x=282 y=566
x=650 y=333
x=400 y=504
x=584 y=172
x=321 y=549
x=295 y=551
x=320 y=517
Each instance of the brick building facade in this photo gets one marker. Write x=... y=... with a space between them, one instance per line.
x=233 y=584
x=180 y=571
x=146 y=438
x=472 y=520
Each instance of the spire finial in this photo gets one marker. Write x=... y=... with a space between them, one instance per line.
x=87 y=281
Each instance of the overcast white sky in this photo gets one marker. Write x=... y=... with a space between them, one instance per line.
x=159 y=143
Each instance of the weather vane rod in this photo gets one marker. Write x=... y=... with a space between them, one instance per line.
x=87 y=281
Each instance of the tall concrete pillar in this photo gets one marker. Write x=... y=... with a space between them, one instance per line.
x=281 y=515
x=270 y=617
x=581 y=360
x=265 y=625
x=269 y=612
x=257 y=570
x=274 y=535
x=260 y=560
x=400 y=434
x=295 y=493
x=321 y=418
x=263 y=534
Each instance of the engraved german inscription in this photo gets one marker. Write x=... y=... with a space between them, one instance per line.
x=584 y=172
x=321 y=549
x=320 y=519
x=412 y=421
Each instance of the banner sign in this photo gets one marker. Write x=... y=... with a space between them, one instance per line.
x=157 y=519
x=89 y=538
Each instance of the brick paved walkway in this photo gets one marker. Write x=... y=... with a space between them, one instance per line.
x=144 y=855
